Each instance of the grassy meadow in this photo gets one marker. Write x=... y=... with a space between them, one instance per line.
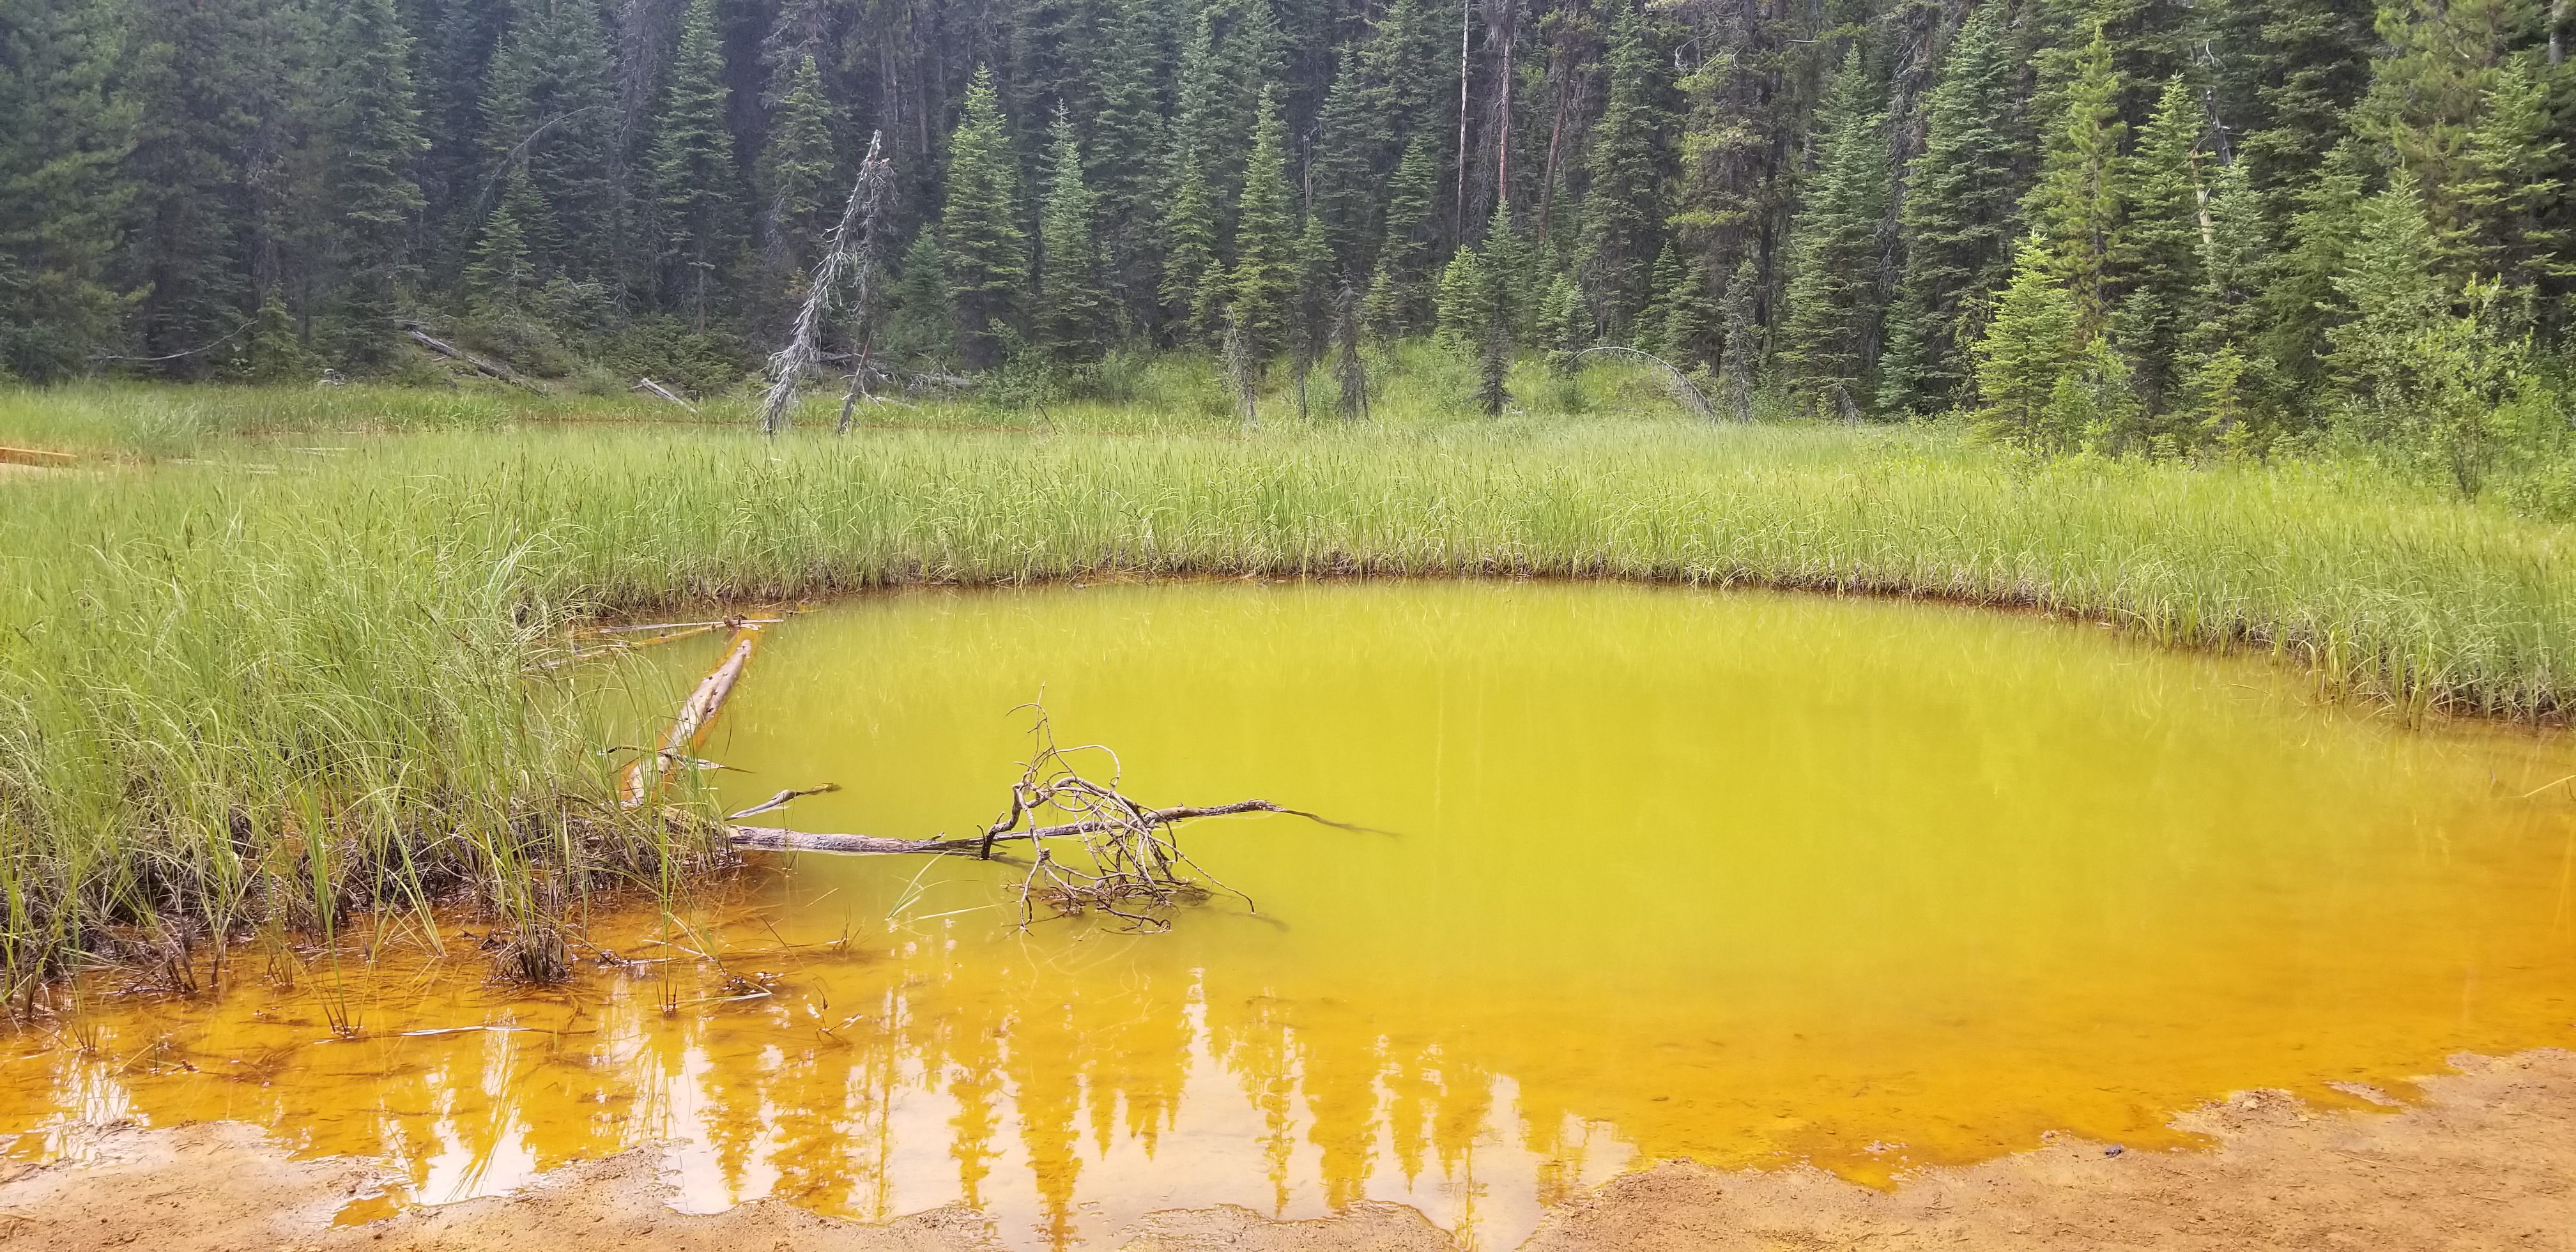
x=275 y=656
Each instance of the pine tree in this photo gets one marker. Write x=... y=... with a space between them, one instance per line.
x=2077 y=203
x=1690 y=318
x=798 y=173
x=1193 y=278
x=62 y=133
x=1564 y=327
x=2232 y=390
x=2393 y=297
x=1129 y=186
x=1621 y=208
x=2028 y=356
x=1072 y=312
x=548 y=109
x=2286 y=73
x=1648 y=335
x=1319 y=280
x=1959 y=218
x=984 y=253
x=2159 y=263
x=2442 y=61
x=369 y=138
x=1345 y=174
x=1263 y=284
x=189 y=169
x=694 y=166
x=1405 y=258
x=1463 y=304
x=2298 y=306
x=504 y=272
x=2515 y=162
x=1833 y=301
x=919 y=318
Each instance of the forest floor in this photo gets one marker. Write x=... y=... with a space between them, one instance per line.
x=2485 y=1158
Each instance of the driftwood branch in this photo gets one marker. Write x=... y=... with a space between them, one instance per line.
x=1123 y=858
x=778 y=839
x=488 y=369
x=1684 y=389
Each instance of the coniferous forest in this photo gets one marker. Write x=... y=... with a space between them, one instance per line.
x=2127 y=225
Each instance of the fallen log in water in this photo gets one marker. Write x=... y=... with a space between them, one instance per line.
x=778 y=839
x=645 y=775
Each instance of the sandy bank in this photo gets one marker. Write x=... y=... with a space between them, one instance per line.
x=2487 y=1159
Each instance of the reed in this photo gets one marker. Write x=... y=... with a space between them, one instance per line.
x=232 y=698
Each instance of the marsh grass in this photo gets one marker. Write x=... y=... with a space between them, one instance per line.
x=237 y=704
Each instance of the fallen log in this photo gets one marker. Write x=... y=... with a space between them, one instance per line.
x=778 y=839
x=644 y=776
x=647 y=384
x=488 y=369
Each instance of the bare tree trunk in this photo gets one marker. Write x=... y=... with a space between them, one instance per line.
x=1458 y=210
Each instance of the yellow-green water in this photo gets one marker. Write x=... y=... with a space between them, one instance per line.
x=1653 y=873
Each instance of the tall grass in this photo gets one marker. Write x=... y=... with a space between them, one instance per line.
x=230 y=700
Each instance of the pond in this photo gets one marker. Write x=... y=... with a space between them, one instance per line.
x=1629 y=873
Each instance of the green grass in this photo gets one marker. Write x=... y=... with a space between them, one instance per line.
x=239 y=700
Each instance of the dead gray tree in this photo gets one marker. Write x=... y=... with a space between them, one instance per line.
x=1683 y=388
x=854 y=253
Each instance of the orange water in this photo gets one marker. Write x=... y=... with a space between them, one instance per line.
x=1745 y=878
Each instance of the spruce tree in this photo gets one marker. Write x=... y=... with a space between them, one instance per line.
x=1405 y=258
x=1345 y=174
x=503 y=274
x=1463 y=304
x=2159 y=262
x=1690 y=318
x=369 y=138
x=1130 y=185
x=1833 y=302
x=62 y=133
x=694 y=166
x=1564 y=327
x=2392 y=296
x=1959 y=218
x=2076 y=205
x=1263 y=284
x=1739 y=364
x=2516 y=165
x=1661 y=281
x=2027 y=359
x=984 y=252
x=188 y=168
x=1072 y=312
x=2298 y=306
x=548 y=109
x=798 y=173
x=1622 y=210
x=919 y=319
x=1193 y=283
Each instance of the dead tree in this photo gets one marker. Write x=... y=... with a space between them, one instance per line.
x=854 y=252
x=1116 y=855
x=1683 y=388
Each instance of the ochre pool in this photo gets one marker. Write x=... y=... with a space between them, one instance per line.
x=1650 y=873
